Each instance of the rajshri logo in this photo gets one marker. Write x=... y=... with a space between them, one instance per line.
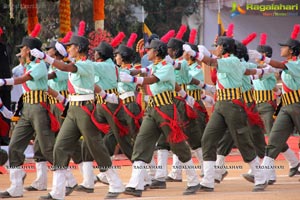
x=236 y=10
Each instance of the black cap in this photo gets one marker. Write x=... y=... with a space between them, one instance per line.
x=124 y=51
x=51 y=45
x=156 y=44
x=227 y=43
x=79 y=40
x=159 y=46
x=265 y=49
x=241 y=50
x=152 y=37
x=175 y=43
x=105 y=49
x=30 y=42
x=291 y=43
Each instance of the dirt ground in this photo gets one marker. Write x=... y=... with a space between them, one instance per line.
x=234 y=187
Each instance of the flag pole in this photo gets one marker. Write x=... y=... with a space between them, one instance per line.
x=143 y=22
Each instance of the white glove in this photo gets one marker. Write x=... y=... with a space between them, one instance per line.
x=189 y=50
x=169 y=59
x=37 y=53
x=211 y=89
x=278 y=92
x=7 y=81
x=62 y=99
x=269 y=69
x=254 y=77
x=2 y=82
x=61 y=49
x=127 y=78
x=145 y=70
x=41 y=55
x=5 y=112
x=205 y=51
x=254 y=55
x=208 y=100
x=112 y=98
x=190 y=101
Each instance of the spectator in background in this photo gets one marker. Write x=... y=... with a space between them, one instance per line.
x=5 y=72
x=16 y=91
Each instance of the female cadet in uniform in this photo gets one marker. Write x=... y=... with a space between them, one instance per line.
x=266 y=105
x=161 y=117
x=288 y=116
x=34 y=119
x=78 y=120
x=228 y=113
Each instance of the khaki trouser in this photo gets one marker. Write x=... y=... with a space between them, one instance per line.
x=266 y=111
x=150 y=132
x=287 y=119
x=228 y=115
x=103 y=116
x=78 y=123
x=76 y=155
x=226 y=143
x=34 y=120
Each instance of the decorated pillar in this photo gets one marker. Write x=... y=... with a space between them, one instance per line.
x=98 y=6
x=32 y=18
x=64 y=16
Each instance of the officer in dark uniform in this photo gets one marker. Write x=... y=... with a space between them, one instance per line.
x=5 y=72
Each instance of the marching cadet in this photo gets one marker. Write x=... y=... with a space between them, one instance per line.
x=161 y=118
x=187 y=71
x=288 y=116
x=194 y=123
x=256 y=124
x=34 y=119
x=264 y=87
x=228 y=113
x=124 y=56
x=78 y=120
x=58 y=81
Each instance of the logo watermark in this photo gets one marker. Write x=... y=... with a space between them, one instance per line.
x=236 y=10
x=268 y=10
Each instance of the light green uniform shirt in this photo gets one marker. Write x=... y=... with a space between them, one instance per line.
x=196 y=72
x=125 y=87
x=267 y=82
x=230 y=72
x=38 y=72
x=60 y=82
x=165 y=73
x=83 y=79
x=291 y=75
x=246 y=86
x=182 y=75
x=106 y=74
